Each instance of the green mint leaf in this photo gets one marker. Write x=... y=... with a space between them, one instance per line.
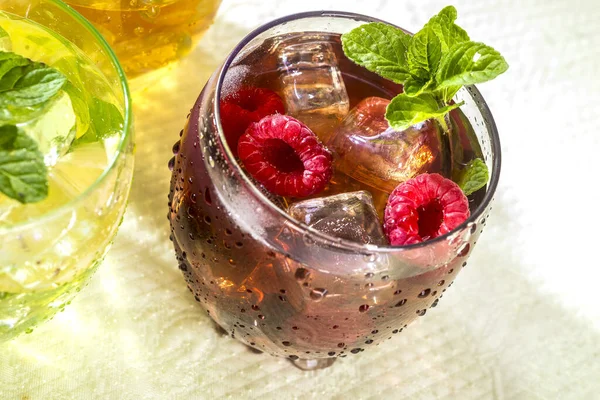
x=446 y=30
x=468 y=63
x=380 y=48
x=5 y=43
x=414 y=86
x=448 y=12
x=105 y=120
x=80 y=108
x=405 y=111
x=428 y=45
x=8 y=134
x=26 y=87
x=23 y=174
x=424 y=54
x=473 y=176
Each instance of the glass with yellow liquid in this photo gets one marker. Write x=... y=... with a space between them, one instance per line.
x=50 y=246
x=148 y=34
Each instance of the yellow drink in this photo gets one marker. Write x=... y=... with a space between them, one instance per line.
x=50 y=248
x=149 y=34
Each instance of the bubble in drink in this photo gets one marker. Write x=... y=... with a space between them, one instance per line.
x=313 y=87
x=351 y=216
x=368 y=150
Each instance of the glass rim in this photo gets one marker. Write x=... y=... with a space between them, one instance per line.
x=126 y=132
x=332 y=241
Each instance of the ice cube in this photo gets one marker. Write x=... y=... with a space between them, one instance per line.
x=313 y=88
x=368 y=150
x=54 y=129
x=349 y=216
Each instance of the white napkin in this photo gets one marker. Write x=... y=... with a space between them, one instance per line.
x=522 y=321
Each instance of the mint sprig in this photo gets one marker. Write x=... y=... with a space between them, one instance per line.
x=27 y=88
x=23 y=174
x=432 y=65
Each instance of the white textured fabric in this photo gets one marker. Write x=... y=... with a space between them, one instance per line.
x=522 y=321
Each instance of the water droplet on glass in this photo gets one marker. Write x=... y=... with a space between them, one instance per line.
x=401 y=303
x=473 y=228
x=464 y=250
x=369 y=275
x=370 y=257
x=424 y=293
x=420 y=313
x=171 y=164
x=318 y=294
x=301 y=274
x=309 y=241
x=176 y=147
x=286 y=343
x=363 y=308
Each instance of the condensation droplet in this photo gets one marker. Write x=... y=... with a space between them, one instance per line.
x=401 y=303
x=363 y=308
x=318 y=294
x=301 y=274
x=370 y=257
x=309 y=241
x=464 y=250
x=176 y=146
x=152 y=12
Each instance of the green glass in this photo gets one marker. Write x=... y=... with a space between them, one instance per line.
x=50 y=249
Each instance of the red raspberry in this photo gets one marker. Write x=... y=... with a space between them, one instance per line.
x=247 y=105
x=424 y=208
x=285 y=156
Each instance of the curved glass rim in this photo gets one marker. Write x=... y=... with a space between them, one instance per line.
x=329 y=240
x=127 y=122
